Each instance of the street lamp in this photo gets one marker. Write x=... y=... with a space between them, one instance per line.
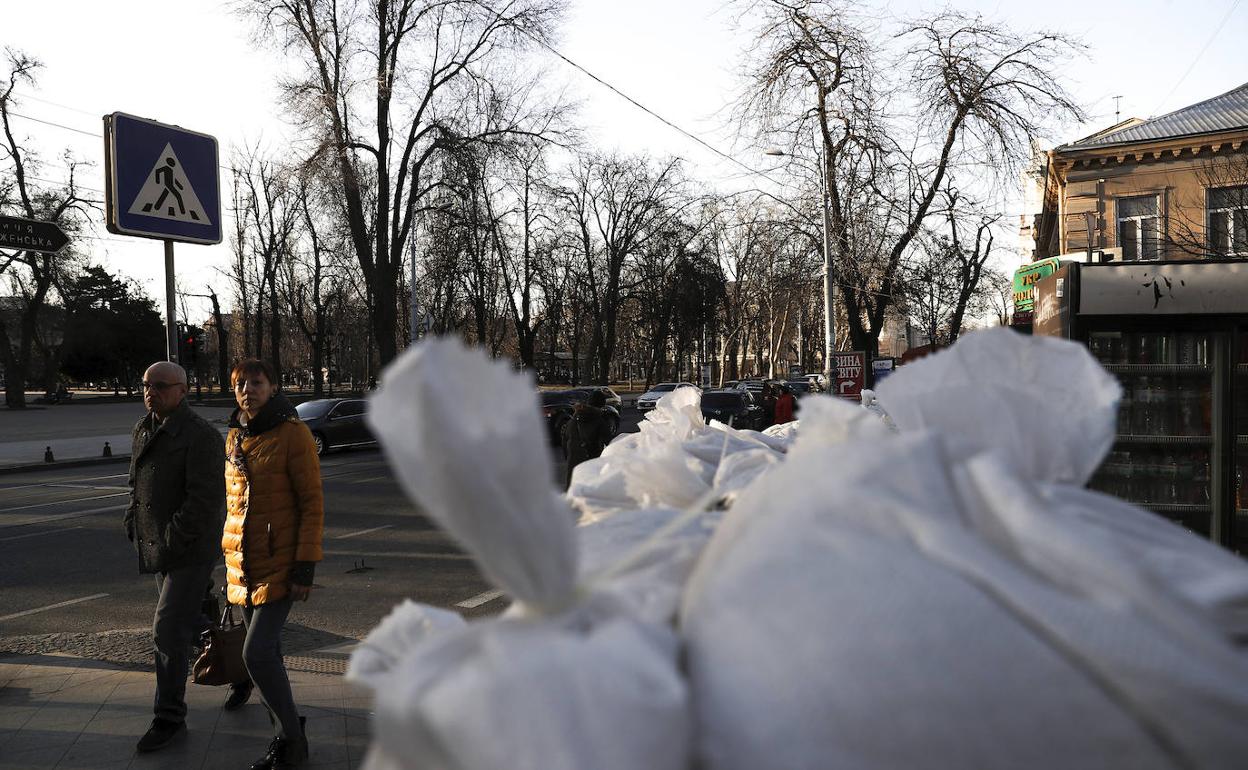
x=829 y=287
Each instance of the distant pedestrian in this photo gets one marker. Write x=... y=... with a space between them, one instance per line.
x=769 y=405
x=174 y=519
x=586 y=433
x=272 y=540
x=108 y=450
x=47 y=455
x=786 y=406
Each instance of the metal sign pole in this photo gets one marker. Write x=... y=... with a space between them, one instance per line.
x=171 y=315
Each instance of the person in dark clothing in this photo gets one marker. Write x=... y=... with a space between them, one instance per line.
x=176 y=511
x=586 y=433
x=786 y=406
x=769 y=406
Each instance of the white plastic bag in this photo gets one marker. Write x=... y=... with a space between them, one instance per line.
x=573 y=677
x=818 y=635
x=463 y=434
x=1043 y=404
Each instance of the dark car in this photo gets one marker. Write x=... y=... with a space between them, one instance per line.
x=557 y=408
x=336 y=423
x=800 y=388
x=732 y=407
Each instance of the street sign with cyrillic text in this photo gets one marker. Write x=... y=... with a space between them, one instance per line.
x=31 y=235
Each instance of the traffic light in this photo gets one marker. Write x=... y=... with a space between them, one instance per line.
x=188 y=349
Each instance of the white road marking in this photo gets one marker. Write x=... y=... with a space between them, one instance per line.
x=479 y=599
x=63 y=516
x=37 y=534
x=62 y=502
x=363 y=532
x=79 y=600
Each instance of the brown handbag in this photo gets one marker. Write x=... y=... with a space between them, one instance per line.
x=221 y=661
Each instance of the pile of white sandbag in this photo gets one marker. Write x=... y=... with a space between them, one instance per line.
x=932 y=590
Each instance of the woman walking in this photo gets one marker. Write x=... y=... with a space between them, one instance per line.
x=272 y=540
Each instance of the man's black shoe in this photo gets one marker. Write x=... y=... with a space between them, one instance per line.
x=239 y=693
x=161 y=734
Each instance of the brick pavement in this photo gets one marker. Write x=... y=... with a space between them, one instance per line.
x=62 y=711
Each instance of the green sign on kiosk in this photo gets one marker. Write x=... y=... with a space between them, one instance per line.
x=1025 y=280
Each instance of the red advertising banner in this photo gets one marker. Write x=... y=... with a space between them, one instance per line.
x=849 y=373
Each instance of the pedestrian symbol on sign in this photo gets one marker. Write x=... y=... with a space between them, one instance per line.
x=168 y=194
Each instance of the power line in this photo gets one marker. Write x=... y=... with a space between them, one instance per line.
x=56 y=125
x=630 y=99
x=1192 y=66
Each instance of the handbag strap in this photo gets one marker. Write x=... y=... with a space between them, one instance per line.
x=227 y=617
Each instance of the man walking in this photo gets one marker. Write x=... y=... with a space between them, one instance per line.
x=175 y=519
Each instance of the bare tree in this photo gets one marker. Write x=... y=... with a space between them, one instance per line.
x=978 y=93
x=34 y=276
x=380 y=86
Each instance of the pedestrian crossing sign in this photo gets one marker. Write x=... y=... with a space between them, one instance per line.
x=161 y=181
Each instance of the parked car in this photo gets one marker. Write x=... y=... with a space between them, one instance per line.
x=646 y=401
x=336 y=423
x=800 y=388
x=733 y=407
x=557 y=408
x=754 y=387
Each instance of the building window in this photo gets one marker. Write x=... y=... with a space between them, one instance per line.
x=1139 y=227
x=1228 y=221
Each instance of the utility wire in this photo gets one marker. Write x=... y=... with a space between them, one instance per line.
x=629 y=99
x=1192 y=66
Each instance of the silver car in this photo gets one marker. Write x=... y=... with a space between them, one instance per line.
x=646 y=401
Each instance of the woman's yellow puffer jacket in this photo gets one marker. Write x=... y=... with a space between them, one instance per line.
x=274 y=513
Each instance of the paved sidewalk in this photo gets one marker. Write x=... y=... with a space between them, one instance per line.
x=59 y=711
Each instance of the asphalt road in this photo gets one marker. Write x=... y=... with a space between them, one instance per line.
x=66 y=566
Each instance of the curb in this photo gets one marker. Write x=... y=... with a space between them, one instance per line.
x=78 y=463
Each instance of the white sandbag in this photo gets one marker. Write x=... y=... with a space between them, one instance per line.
x=1193 y=567
x=588 y=688
x=643 y=557
x=571 y=678
x=818 y=635
x=464 y=437
x=832 y=420
x=670 y=462
x=1043 y=404
x=408 y=625
x=741 y=469
x=781 y=436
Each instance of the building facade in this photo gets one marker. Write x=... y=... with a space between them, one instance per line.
x=1173 y=187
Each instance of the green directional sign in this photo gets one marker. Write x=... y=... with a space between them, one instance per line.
x=1026 y=278
x=31 y=235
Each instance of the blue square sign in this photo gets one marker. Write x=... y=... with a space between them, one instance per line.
x=160 y=181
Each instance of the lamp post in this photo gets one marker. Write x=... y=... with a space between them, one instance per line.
x=829 y=287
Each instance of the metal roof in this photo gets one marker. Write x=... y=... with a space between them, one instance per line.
x=1226 y=112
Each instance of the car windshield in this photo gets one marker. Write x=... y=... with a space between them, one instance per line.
x=309 y=410
x=798 y=387
x=664 y=387
x=720 y=400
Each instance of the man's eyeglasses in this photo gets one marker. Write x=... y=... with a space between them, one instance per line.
x=158 y=386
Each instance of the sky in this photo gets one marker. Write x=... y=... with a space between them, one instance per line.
x=193 y=63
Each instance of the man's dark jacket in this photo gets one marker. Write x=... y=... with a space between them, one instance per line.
x=177 y=491
x=584 y=436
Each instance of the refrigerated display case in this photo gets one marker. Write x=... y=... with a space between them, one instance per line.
x=1175 y=334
